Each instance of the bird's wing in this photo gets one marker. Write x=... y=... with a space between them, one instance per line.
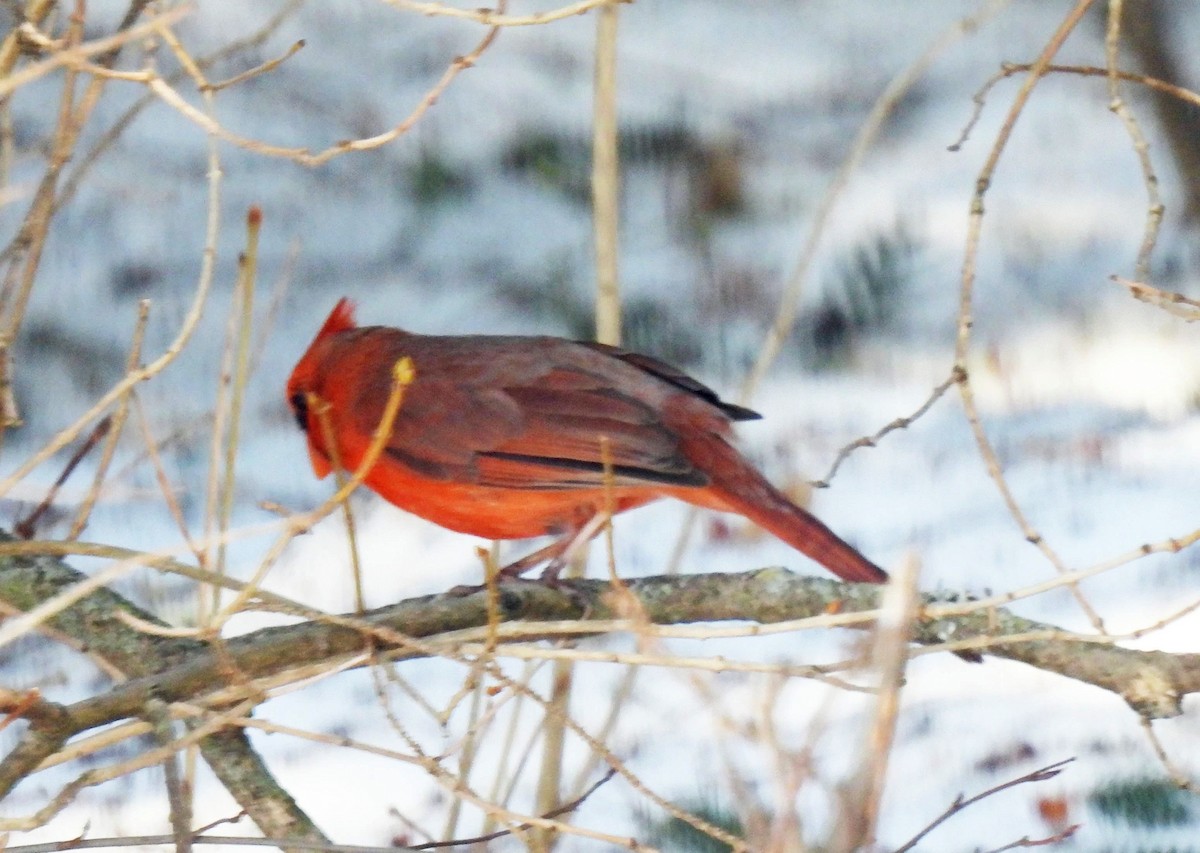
x=539 y=431
x=674 y=376
x=574 y=425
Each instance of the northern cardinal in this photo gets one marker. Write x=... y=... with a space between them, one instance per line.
x=500 y=437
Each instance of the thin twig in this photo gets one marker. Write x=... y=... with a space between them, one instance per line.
x=639 y=660
x=955 y=377
x=1154 y=210
x=127 y=841
x=1178 y=777
x=269 y=65
x=565 y=808
x=190 y=322
x=403 y=374
x=1027 y=842
x=1040 y=775
x=863 y=794
x=118 y=425
x=180 y=804
x=149 y=758
x=966 y=320
x=34 y=229
x=1177 y=304
x=304 y=156
x=785 y=315
x=1184 y=94
x=84 y=164
x=244 y=311
x=69 y=56
x=497 y=18
x=606 y=178
x=34 y=13
x=28 y=527
x=165 y=488
x=297 y=844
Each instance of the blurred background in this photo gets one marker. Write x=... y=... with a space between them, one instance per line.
x=734 y=120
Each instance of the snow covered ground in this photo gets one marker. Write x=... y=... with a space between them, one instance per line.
x=1090 y=398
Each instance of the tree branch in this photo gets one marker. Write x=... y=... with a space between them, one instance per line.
x=176 y=670
x=93 y=625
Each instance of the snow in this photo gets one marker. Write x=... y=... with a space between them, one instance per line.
x=1089 y=397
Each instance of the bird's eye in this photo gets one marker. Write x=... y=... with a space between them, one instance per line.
x=300 y=409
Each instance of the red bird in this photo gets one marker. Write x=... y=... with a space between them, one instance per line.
x=499 y=437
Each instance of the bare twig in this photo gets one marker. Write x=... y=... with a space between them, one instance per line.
x=73 y=55
x=133 y=378
x=198 y=838
x=1173 y=303
x=1178 y=777
x=117 y=426
x=1027 y=842
x=179 y=801
x=165 y=488
x=269 y=65
x=149 y=758
x=497 y=18
x=565 y=808
x=28 y=527
x=304 y=156
x=35 y=12
x=966 y=297
x=243 y=310
x=1154 y=211
x=960 y=803
x=955 y=376
x=862 y=795
x=1009 y=69
x=129 y=841
x=33 y=232
x=85 y=163
x=606 y=179
x=785 y=315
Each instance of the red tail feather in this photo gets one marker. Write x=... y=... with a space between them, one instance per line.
x=738 y=487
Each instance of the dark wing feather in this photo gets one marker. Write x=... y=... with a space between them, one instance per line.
x=543 y=433
x=560 y=444
x=442 y=425
x=675 y=376
x=518 y=471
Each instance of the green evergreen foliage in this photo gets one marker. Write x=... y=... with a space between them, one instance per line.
x=1143 y=803
x=433 y=180
x=556 y=161
x=866 y=294
x=676 y=836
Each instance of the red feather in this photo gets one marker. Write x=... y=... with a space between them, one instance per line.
x=340 y=319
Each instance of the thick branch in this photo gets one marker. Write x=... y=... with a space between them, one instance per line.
x=92 y=625
x=1152 y=682
x=173 y=670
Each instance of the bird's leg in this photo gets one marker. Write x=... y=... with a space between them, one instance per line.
x=557 y=554
x=541 y=555
x=570 y=545
x=516 y=568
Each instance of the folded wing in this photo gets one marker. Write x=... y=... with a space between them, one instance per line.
x=545 y=433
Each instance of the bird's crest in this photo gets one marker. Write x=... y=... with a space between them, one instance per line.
x=340 y=319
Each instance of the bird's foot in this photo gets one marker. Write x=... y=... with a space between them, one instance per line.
x=550 y=574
